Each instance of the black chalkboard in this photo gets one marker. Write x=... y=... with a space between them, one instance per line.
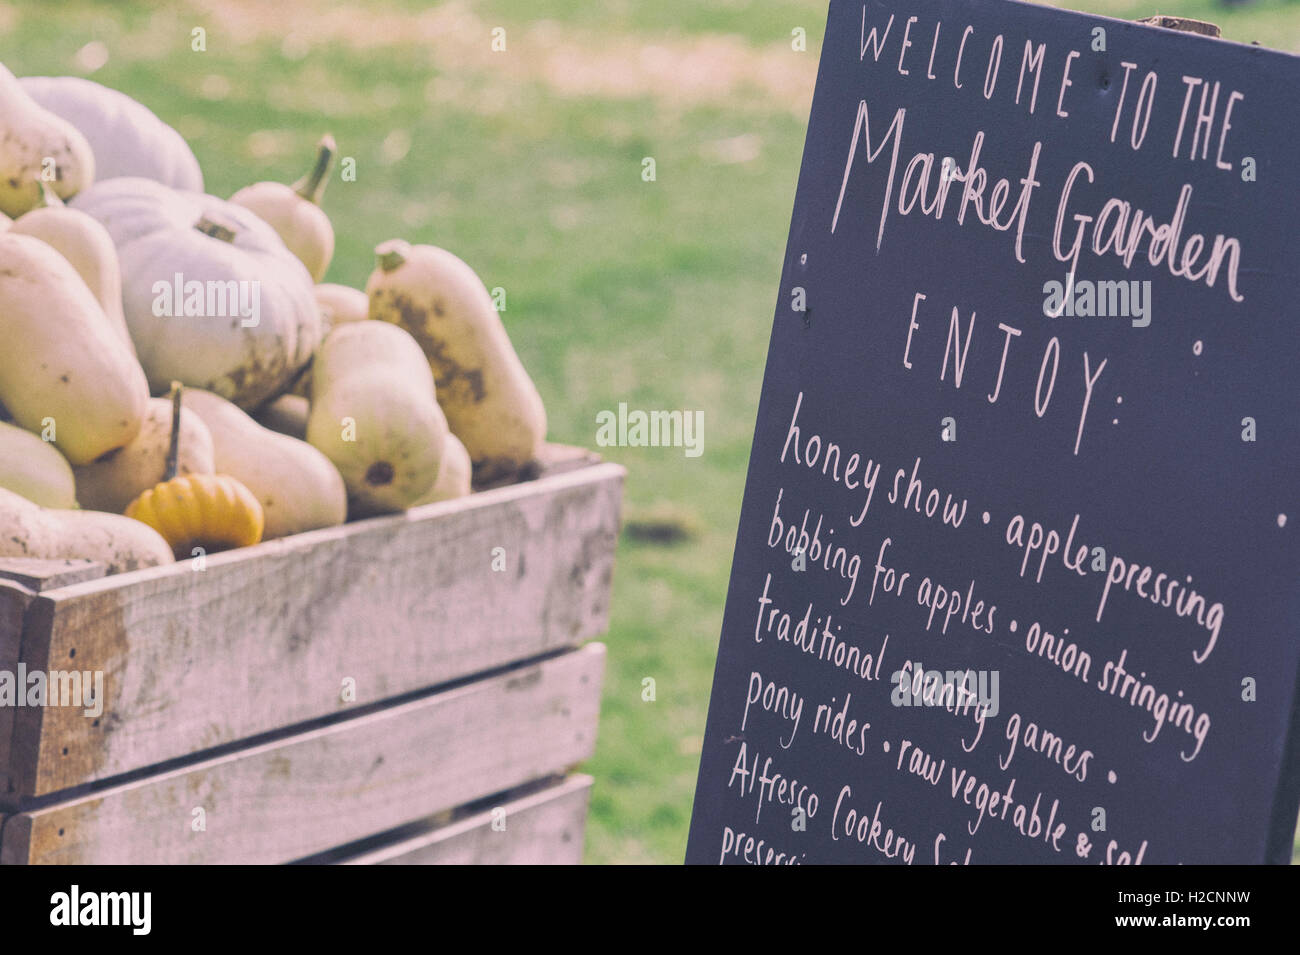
x=1095 y=516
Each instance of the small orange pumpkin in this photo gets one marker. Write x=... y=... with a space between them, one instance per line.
x=212 y=511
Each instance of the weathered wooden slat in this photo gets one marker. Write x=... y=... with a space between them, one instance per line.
x=39 y=575
x=298 y=796
x=270 y=636
x=541 y=828
x=14 y=600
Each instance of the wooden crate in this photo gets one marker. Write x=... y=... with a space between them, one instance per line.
x=540 y=823
x=282 y=701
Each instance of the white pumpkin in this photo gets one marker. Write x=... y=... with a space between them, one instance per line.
x=127 y=138
x=212 y=296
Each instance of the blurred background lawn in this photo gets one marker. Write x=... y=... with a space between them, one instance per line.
x=527 y=163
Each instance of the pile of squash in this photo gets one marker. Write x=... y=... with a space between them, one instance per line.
x=174 y=377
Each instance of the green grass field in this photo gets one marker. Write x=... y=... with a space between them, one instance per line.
x=528 y=164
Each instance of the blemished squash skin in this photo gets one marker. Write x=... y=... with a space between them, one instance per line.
x=115 y=480
x=490 y=401
x=76 y=376
x=28 y=530
x=213 y=512
x=375 y=416
x=88 y=248
x=297 y=486
x=30 y=136
x=35 y=469
x=295 y=213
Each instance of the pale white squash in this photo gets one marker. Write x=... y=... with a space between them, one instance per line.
x=88 y=248
x=454 y=473
x=64 y=370
x=35 y=469
x=374 y=414
x=121 y=544
x=491 y=403
x=339 y=304
x=36 y=144
x=286 y=415
x=295 y=213
x=190 y=265
x=297 y=486
x=126 y=137
x=119 y=477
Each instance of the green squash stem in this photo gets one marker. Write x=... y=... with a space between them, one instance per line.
x=312 y=186
x=174 y=447
x=49 y=198
x=392 y=254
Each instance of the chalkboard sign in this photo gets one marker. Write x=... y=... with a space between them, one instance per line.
x=1016 y=573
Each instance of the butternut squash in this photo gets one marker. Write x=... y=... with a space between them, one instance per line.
x=29 y=530
x=118 y=478
x=375 y=415
x=88 y=248
x=295 y=213
x=35 y=469
x=490 y=402
x=34 y=144
x=285 y=415
x=338 y=304
x=297 y=486
x=453 y=476
x=67 y=370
